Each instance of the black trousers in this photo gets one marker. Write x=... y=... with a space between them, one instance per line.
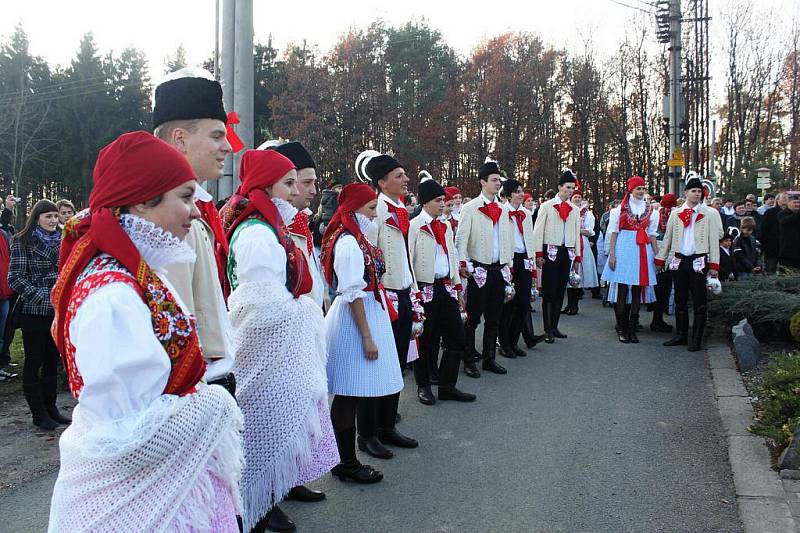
x=486 y=301
x=555 y=276
x=663 y=290
x=41 y=354
x=688 y=281
x=442 y=323
x=381 y=412
x=515 y=311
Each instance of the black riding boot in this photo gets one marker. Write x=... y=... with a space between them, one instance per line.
x=681 y=329
x=489 y=350
x=622 y=327
x=49 y=395
x=698 y=328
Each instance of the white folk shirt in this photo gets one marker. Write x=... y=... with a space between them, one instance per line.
x=441 y=264
x=496 y=229
x=637 y=208
x=687 y=245
x=408 y=279
x=519 y=240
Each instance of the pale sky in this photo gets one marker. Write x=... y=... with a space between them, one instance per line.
x=157 y=27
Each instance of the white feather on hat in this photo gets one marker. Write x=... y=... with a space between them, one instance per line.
x=361 y=165
x=424 y=175
x=272 y=143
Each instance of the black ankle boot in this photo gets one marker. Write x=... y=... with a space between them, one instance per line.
x=33 y=395
x=469 y=341
x=49 y=395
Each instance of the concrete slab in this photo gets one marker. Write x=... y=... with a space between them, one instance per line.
x=766 y=515
x=736 y=414
x=719 y=356
x=752 y=472
x=727 y=382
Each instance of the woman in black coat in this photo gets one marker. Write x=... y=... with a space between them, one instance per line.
x=32 y=273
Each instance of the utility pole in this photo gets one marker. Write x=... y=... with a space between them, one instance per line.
x=668 y=20
x=237 y=81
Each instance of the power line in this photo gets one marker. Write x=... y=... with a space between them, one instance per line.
x=649 y=12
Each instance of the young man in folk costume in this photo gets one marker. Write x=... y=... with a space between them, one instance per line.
x=189 y=115
x=377 y=418
x=588 y=267
x=300 y=228
x=691 y=251
x=485 y=248
x=279 y=343
x=435 y=261
x=663 y=279
x=518 y=311
x=630 y=270
x=556 y=239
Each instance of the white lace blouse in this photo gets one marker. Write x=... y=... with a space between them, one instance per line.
x=123 y=365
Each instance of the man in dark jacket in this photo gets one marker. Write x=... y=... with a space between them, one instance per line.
x=327 y=206
x=789 y=224
x=770 y=233
x=746 y=250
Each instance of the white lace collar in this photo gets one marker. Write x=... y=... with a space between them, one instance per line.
x=367 y=227
x=286 y=210
x=157 y=247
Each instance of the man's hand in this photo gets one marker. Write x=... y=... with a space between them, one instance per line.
x=660 y=268
x=370 y=349
x=540 y=262
x=713 y=273
x=612 y=262
x=463 y=272
x=11 y=202
x=586 y=233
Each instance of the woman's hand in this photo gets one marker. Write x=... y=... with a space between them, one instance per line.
x=612 y=262
x=370 y=349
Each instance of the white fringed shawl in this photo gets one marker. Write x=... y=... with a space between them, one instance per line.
x=281 y=380
x=152 y=472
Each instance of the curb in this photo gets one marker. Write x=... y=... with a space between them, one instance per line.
x=761 y=496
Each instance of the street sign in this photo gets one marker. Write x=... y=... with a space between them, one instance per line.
x=677 y=159
x=763 y=183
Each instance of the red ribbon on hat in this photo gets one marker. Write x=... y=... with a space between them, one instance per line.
x=234 y=140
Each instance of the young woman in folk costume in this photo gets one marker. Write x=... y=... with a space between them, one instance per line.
x=630 y=268
x=278 y=342
x=151 y=447
x=587 y=267
x=362 y=356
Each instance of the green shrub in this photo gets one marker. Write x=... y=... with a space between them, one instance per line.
x=778 y=404
x=767 y=302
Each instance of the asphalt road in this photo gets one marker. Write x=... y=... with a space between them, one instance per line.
x=583 y=435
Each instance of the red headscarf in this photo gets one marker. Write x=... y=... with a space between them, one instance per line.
x=668 y=200
x=353 y=197
x=133 y=169
x=451 y=192
x=258 y=170
x=633 y=182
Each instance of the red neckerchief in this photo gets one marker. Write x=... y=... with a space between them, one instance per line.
x=439 y=229
x=564 y=209
x=402 y=217
x=211 y=217
x=491 y=210
x=518 y=216
x=299 y=226
x=686 y=217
